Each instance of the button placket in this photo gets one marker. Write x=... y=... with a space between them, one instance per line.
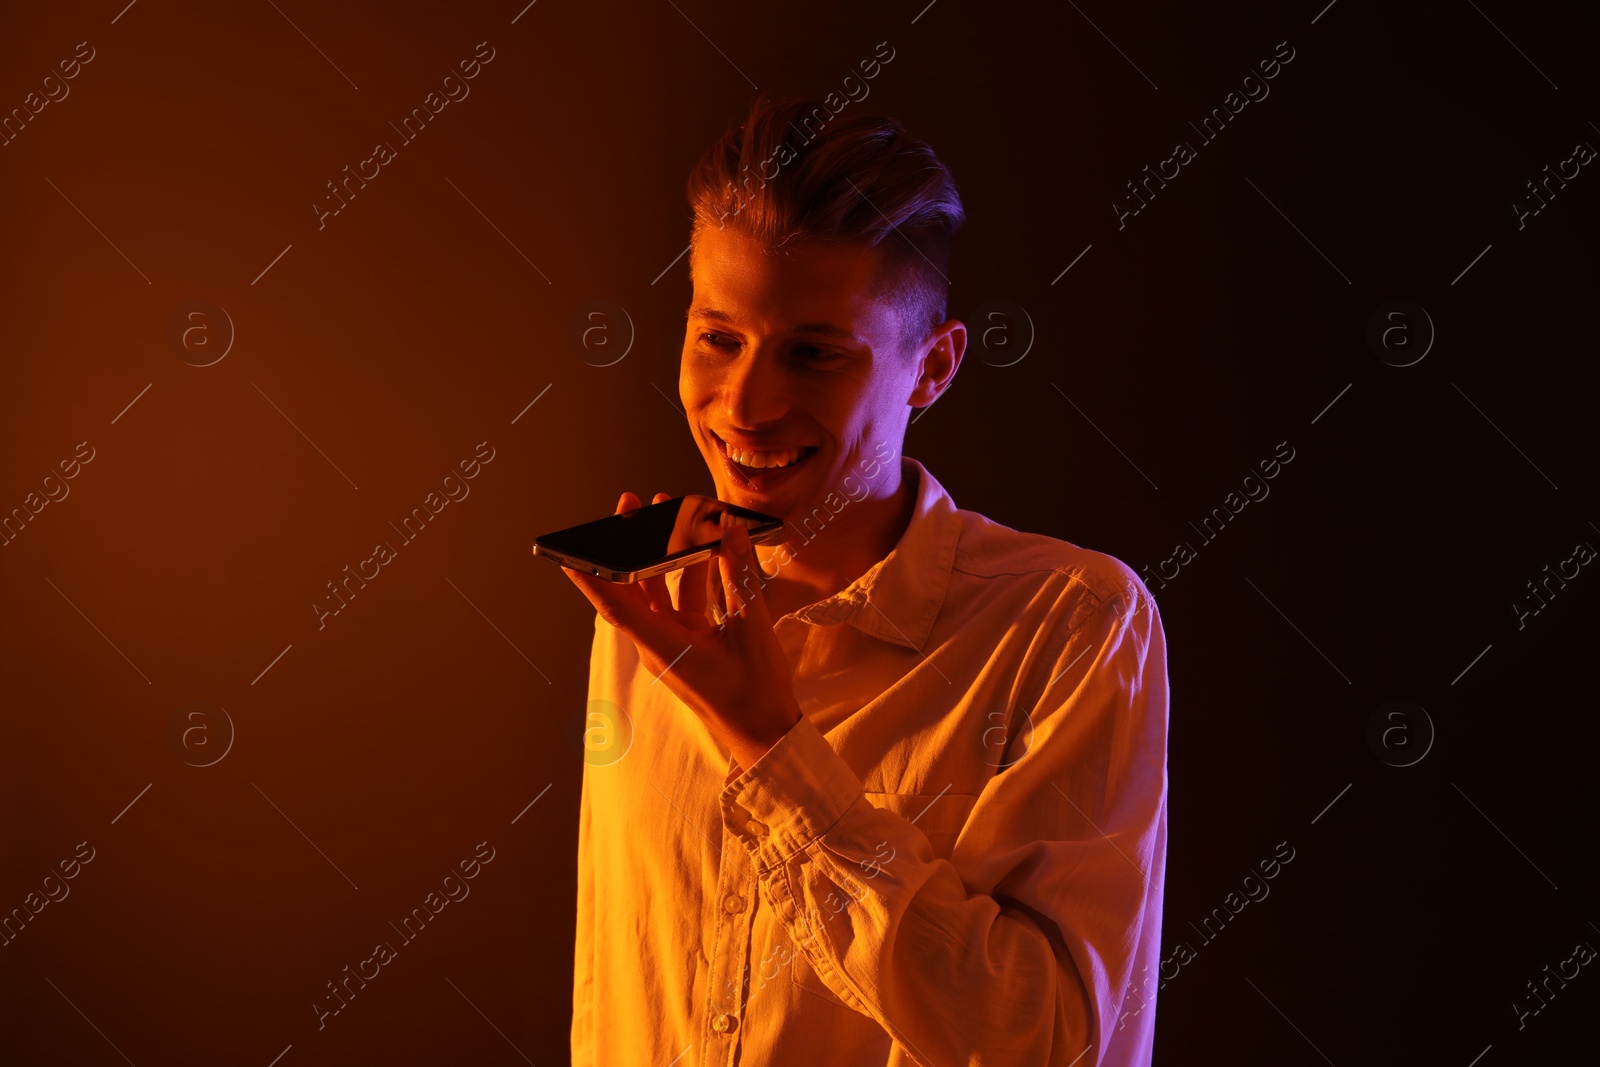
x=731 y=951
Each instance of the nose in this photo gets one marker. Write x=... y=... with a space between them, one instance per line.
x=755 y=391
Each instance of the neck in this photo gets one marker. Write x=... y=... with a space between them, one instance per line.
x=823 y=560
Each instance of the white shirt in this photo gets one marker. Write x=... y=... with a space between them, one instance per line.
x=956 y=856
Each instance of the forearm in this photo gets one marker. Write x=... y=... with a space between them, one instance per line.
x=1026 y=969
x=949 y=974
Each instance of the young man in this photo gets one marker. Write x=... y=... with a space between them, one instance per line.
x=892 y=790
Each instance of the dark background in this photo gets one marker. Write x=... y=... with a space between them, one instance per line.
x=1231 y=314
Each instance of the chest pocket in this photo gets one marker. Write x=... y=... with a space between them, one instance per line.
x=940 y=817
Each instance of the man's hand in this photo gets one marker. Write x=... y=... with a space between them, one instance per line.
x=733 y=672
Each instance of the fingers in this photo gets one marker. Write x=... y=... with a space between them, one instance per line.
x=603 y=600
x=693 y=584
x=656 y=588
x=693 y=587
x=730 y=569
x=742 y=577
x=712 y=581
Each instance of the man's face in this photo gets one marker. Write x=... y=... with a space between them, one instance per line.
x=792 y=352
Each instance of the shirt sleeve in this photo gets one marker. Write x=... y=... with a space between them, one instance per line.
x=1019 y=949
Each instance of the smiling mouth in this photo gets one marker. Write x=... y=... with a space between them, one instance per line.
x=762 y=478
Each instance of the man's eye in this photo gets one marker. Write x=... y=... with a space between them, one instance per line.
x=807 y=353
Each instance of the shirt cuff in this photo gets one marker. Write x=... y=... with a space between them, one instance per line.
x=791 y=796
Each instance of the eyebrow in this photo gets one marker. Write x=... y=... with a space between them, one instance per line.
x=821 y=329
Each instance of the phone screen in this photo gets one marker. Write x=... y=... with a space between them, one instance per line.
x=653 y=536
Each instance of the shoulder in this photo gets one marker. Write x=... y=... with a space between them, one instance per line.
x=1078 y=580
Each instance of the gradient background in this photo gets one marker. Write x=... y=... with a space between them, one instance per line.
x=375 y=353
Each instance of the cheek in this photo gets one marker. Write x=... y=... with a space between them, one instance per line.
x=690 y=381
x=875 y=403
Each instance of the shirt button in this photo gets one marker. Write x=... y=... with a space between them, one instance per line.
x=756 y=828
x=724 y=1024
x=733 y=903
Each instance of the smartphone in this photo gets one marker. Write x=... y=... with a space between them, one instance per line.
x=653 y=538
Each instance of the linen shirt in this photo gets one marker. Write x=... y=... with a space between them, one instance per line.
x=956 y=856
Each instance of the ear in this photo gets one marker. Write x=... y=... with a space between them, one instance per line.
x=938 y=362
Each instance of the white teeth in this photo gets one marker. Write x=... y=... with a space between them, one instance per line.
x=763 y=459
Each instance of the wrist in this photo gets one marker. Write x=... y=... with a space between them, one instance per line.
x=749 y=746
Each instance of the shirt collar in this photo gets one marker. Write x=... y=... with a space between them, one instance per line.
x=899 y=597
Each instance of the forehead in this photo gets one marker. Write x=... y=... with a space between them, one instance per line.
x=803 y=283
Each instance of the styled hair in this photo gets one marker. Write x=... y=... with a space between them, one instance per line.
x=794 y=171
